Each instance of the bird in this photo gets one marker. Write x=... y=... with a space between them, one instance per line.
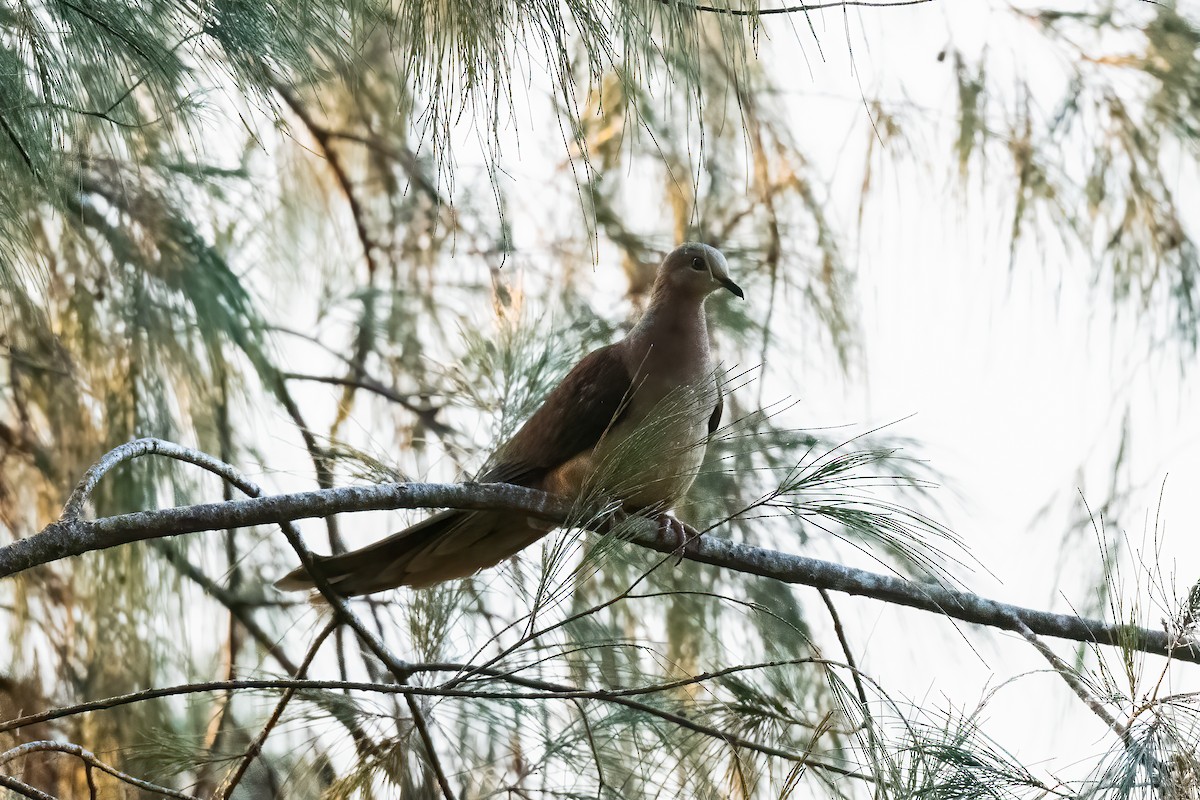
x=630 y=422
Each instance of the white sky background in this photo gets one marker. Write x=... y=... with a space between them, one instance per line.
x=1017 y=378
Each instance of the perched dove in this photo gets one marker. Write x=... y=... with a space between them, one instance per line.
x=630 y=421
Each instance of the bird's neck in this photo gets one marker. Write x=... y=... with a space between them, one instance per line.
x=671 y=338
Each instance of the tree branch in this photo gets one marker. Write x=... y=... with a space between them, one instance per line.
x=798 y=9
x=535 y=689
x=321 y=135
x=427 y=414
x=24 y=789
x=341 y=610
x=71 y=537
x=225 y=789
x=89 y=758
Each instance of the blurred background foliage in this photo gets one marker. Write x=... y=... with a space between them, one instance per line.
x=293 y=235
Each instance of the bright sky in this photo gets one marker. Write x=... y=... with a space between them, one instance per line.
x=1018 y=381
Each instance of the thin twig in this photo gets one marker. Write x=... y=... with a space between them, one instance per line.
x=841 y=635
x=431 y=756
x=16 y=142
x=360 y=379
x=537 y=690
x=319 y=458
x=416 y=668
x=804 y=7
x=237 y=609
x=868 y=720
x=235 y=776
x=427 y=414
x=1072 y=680
x=587 y=729
x=363 y=340
x=88 y=757
x=222 y=714
x=1093 y=703
x=397 y=667
x=405 y=158
x=322 y=135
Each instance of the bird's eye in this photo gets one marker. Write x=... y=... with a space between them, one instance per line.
x=698 y=264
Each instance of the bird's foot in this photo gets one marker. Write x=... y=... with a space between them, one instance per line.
x=678 y=532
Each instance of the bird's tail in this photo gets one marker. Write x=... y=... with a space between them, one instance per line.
x=452 y=544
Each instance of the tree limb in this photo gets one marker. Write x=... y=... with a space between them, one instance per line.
x=72 y=537
x=536 y=689
x=89 y=758
x=24 y=789
x=797 y=9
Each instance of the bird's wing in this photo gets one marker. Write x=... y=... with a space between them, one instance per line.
x=592 y=398
x=452 y=544
x=714 y=421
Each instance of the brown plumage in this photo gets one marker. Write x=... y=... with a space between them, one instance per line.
x=630 y=420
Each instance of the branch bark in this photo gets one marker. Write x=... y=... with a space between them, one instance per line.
x=73 y=536
x=91 y=759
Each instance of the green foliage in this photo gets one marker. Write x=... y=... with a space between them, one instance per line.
x=206 y=206
x=955 y=759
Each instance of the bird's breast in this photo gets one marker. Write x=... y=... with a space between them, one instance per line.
x=651 y=456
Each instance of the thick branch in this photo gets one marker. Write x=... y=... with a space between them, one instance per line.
x=959 y=605
x=71 y=537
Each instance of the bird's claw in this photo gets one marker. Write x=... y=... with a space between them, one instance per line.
x=679 y=532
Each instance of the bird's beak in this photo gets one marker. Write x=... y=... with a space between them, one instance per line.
x=719 y=269
x=731 y=286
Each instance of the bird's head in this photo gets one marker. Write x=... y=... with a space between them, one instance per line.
x=695 y=270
